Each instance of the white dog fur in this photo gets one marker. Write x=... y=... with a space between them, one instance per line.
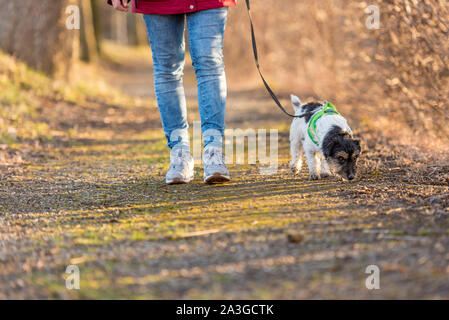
x=301 y=144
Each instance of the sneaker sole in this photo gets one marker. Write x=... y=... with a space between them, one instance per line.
x=178 y=181
x=217 y=178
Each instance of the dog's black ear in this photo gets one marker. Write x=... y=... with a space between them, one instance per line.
x=337 y=139
x=357 y=143
x=329 y=146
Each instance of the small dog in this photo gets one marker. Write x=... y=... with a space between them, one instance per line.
x=325 y=138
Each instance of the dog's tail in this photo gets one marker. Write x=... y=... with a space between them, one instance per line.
x=296 y=103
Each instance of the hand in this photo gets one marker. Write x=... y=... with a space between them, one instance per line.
x=121 y=5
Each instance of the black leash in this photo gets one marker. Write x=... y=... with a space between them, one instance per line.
x=256 y=58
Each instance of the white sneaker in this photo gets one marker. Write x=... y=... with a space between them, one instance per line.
x=215 y=170
x=181 y=167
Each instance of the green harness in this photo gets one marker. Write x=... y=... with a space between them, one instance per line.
x=328 y=109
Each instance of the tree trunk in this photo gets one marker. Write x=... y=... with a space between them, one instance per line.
x=88 y=40
x=132 y=29
x=142 y=37
x=96 y=13
x=36 y=32
x=120 y=27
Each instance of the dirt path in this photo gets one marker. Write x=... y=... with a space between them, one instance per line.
x=99 y=201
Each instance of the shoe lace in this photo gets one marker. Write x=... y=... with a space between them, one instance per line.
x=214 y=157
x=180 y=157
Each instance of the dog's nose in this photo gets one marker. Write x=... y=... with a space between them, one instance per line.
x=350 y=177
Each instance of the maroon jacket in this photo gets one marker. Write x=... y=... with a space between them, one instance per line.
x=177 y=6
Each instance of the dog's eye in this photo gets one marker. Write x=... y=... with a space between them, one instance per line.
x=341 y=159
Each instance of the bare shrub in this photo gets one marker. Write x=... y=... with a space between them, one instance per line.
x=323 y=48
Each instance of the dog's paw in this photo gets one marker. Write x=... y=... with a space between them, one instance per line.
x=325 y=175
x=314 y=176
x=295 y=170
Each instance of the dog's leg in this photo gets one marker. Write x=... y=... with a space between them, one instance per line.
x=296 y=153
x=325 y=171
x=313 y=161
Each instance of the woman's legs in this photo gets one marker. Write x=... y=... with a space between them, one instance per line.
x=166 y=33
x=206 y=31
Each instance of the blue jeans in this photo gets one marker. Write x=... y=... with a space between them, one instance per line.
x=166 y=34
